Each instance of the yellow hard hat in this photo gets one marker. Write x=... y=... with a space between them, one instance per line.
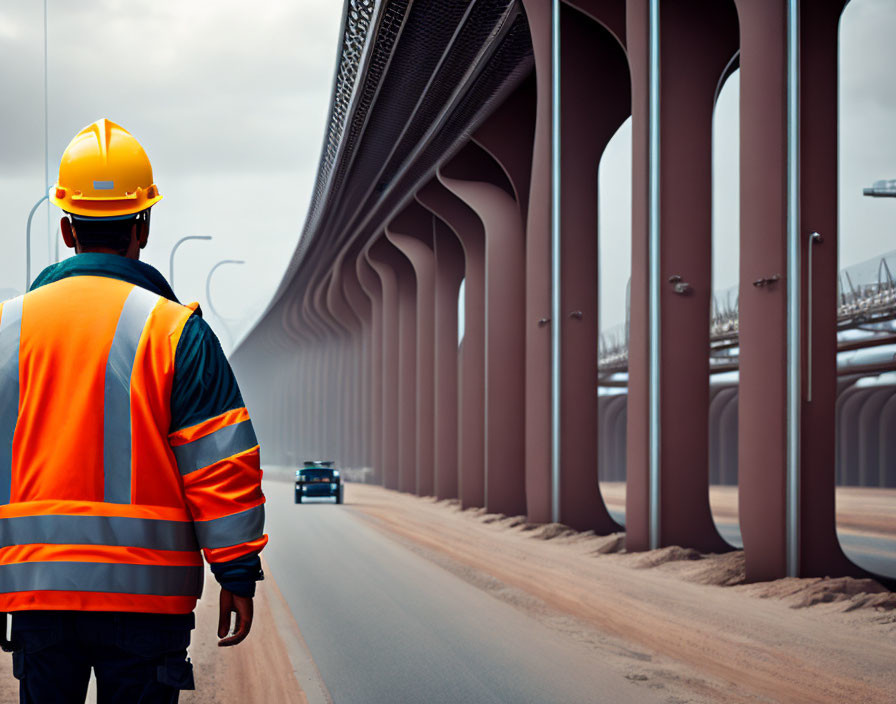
x=104 y=173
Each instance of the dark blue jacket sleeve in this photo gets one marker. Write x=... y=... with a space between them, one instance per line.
x=204 y=387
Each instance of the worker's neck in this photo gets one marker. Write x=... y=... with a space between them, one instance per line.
x=107 y=250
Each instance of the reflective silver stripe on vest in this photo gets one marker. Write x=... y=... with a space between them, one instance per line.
x=159 y=580
x=98 y=530
x=214 y=447
x=117 y=407
x=10 y=334
x=231 y=530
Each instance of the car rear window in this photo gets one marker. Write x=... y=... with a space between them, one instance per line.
x=316 y=474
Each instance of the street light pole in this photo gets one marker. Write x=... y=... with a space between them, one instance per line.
x=174 y=249
x=46 y=116
x=34 y=208
x=208 y=294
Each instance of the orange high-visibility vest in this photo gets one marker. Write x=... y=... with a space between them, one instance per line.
x=101 y=509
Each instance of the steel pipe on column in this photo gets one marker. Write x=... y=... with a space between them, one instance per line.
x=672 y=168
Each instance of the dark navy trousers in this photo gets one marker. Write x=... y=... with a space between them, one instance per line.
x=137 y=658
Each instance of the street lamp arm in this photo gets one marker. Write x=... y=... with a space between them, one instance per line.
x=34 y=208
x=174 y=249
x=208 y=282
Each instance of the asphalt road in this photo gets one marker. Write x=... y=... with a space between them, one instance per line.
x=876 y=554
x=387 y=626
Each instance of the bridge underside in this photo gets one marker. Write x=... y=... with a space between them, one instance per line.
x=436 y=170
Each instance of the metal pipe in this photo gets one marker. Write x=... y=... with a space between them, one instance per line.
x=34 y=208
x=174 y=249
x=654 y=273
x=555 y=261
x=793 y=292
x=46 y=120
x=814 y=238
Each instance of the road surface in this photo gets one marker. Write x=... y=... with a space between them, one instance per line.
x=387 y=626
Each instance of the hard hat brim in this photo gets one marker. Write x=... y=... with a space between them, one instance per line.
x=96 y=208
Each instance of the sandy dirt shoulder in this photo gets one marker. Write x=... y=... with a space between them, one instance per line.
x=794 y=640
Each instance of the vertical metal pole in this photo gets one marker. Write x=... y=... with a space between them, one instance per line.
x=654 y=273
x=555 y=261
x=46 y=123
x=793 y=291
x=814 y=238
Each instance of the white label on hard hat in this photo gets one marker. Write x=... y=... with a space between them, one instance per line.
x=103 y=185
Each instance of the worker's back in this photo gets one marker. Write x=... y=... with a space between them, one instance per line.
x=90 y=490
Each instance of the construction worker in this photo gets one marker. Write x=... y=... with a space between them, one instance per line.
x=125 y=450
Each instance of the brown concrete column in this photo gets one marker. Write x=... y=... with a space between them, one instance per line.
x=698 y=39
x=361 y=306
x=335 y=379
x=407 y=372
x=411 y=233
x=317 y=381
x=763 y=310
x=379 y=256
x=468 y=229
x=370 y=284
x=343 y=314
x=538 y=276
x=820 y=552
x=478 y=180
x=449 y=273
x=304 y=355
x=595 y=101
x=404 y=365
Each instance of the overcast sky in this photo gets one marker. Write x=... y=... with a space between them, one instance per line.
x=228 y=99
x=230 y=104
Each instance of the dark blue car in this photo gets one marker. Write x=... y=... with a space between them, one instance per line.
x=318 y=480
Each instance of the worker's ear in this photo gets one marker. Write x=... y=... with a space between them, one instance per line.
x=68 y=234
x=142 y=233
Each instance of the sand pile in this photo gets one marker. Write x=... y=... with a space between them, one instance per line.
x=726 y=570
x=655 y=558
x=852 y=593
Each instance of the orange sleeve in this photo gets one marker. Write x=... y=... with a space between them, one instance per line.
x=220 y=467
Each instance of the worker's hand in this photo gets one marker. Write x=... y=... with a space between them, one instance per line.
x=244 y=609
